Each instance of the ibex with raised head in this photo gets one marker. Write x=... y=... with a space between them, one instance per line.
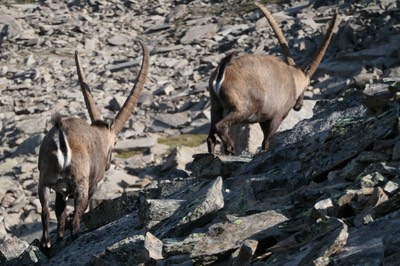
x=74 y=155
x=259 y=89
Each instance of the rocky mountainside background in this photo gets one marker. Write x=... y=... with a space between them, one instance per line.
x=326 y=194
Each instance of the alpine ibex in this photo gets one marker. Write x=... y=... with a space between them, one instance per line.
x=74 y=155
x=259 y=89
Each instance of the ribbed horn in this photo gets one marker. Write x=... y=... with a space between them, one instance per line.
x=87 y=94
x=278 y=33
x=310 y=68
x=130 y=102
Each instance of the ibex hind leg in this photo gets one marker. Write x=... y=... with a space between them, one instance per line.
x=211 y=139
x=81 y=201
x=223 y=126
x=61 y=213
x=44 y=195
x=216 y=116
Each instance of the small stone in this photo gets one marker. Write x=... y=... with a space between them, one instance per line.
x=120 y=40
x=198 y=32
x=353 y=169
x=245 y=253
x=178 y=12
x=132 y=144
x=33 y=255
x=206 y=200
x=153 y=247
x=13 y=29
x=12 y=248
x=90 y=44
x=391 y=187
x=154 y=211
x=30 y=60
x=322 y=209
x=178 y=158
x=372 y=180
x=172 y=120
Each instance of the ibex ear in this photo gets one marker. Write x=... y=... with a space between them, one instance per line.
x=307 y=70
x=110 y=124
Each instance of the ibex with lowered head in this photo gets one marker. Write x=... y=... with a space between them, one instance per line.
x=259 y=89
x=74 y=155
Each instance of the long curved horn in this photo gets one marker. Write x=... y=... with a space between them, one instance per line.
x=279 y=35
x=319 y=54
x=87 y=94
x=130 y=102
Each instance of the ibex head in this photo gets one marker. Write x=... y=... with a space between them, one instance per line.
x=259 y=89
x=74 y=155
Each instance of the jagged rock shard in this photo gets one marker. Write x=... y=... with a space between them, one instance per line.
x=308 y=160
x=110 y=210
x=311 y=245
x=207 y=199
x=153 y=211
x=245 y=253
x=211 y=166
x=224 y=237
x=371 y=244
x=11 y=249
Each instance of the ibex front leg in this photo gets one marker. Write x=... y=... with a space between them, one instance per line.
x=299 y=103
x=269 y=128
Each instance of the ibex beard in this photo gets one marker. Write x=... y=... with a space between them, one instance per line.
x=74 y=156
x=258 y=89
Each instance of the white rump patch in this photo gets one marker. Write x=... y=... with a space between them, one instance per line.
x=217 y=84
x=63 y=160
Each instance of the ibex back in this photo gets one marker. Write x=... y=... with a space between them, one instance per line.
x=258 y=89
x=74 y=155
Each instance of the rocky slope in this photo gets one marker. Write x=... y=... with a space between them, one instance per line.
x=326 y=194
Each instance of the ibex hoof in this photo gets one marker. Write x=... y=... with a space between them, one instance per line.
x=230 y=151
x=74 y=237
x=45 y=245
x=297 y=107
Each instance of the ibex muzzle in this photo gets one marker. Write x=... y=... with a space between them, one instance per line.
x=74 y=155
x=259 y=89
